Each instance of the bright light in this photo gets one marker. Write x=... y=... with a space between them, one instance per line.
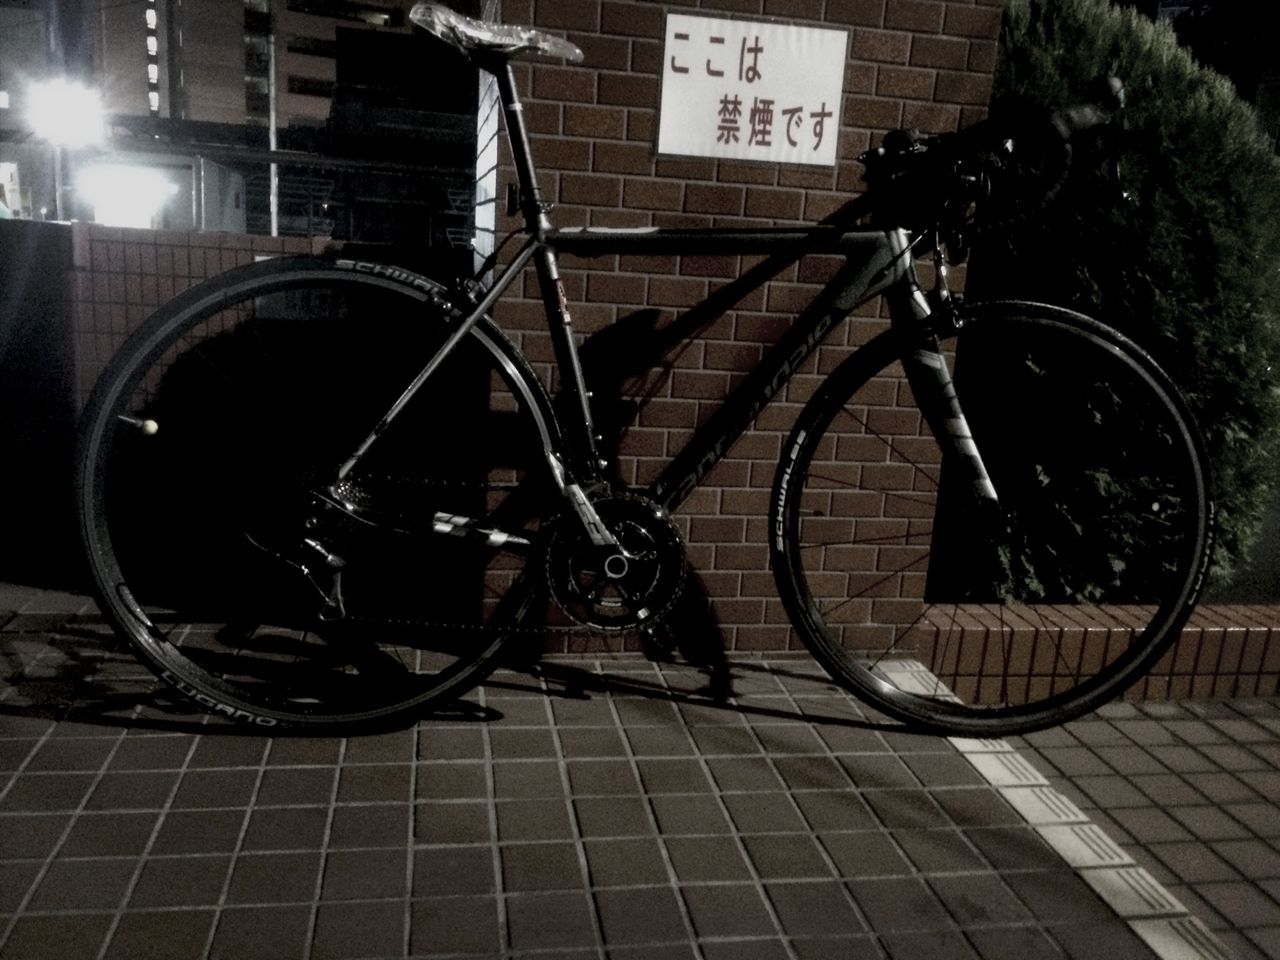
x=151 y=19
x=65 y=113
x=153 y=72
x=124 y=196
x=152 y=45
x=153 y=99
x=4 y=100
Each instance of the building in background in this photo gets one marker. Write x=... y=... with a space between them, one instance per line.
x=374 y=127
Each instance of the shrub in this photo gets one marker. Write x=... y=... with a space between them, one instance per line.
x=1188 y=265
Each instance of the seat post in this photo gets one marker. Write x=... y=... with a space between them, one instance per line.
x=579 y=429
x=517 y=135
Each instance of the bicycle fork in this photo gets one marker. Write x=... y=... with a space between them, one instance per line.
x=934 y=390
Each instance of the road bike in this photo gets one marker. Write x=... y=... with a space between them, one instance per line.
x=318 y=491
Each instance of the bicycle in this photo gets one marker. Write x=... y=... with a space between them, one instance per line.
x=298 y=522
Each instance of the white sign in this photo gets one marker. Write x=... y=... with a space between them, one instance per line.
x=751 y=91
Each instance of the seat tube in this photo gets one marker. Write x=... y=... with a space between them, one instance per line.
x=931 y=383
x=578 y=429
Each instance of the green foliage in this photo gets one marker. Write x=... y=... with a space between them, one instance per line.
x=1188 y=265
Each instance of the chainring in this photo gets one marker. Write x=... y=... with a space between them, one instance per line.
x=626 y=589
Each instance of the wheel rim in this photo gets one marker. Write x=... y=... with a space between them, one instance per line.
x=1100 y=545
x=198 y=496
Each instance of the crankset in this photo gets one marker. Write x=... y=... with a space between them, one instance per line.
x=623 y=587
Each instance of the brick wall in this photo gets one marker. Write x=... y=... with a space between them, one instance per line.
x=593 y=133
x=118 y=277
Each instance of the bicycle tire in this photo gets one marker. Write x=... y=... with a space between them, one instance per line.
x=901 y=581
x=199 y=454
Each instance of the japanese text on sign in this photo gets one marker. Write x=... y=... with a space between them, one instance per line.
x=751 y=91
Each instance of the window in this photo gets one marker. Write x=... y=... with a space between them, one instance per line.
x=153 y=73
x=313 y=47
x=310 y=87
x=153 y=101
x=153 y=47
x=4 y=99
x=151 y=18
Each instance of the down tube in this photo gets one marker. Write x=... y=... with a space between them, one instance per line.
x=853 y=285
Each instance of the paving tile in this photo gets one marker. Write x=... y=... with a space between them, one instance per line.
x=545 y=921
x=641 y=915
x=1150 y=825
x=305 y=752
x=1209 y=823
x=684 y=815
x=1130 y=761
x=625 y=862
x=939 y=851
x=261 y=933
x=369 y=825
x=455 y=925
x=72 y=754
x=109 y=834
x=519 y=780
x=445 y=871
x=228 y=751
x=812 y=773
x=82 y=885
x=707 y=859
x=772 y=812
x=1241 y=904
x=274 y=878
x=151 y=753
x=451 y=743
x=56 y=937
x=46 y=792
x=664 y=741
x=909 y=809
x=1111 y=791
x=439 y=822
x=835 y=810
x=786 y=857
x=1260 y=818
x=592 y=743
x=1254 y=859
x=346 y=930
x=941 y=945
x=747 y=949
x=204 y=831
x=727 y=910
x=1194 y=862
x=823 y=909
x=541 y=866
x=673 y=776
x=394 y=747
x=296 y=785
x=208 y=789
x=1018 y=943
x=1014 y=848
x=1113 y=940
x=520 y=744
x=602 y=778
x=898 y=904
x=364 y=875
x=292 y=828
x=180 y=882
x=865 y=854
x=375 y=783
x=533 y=820
x=612 y=817
x=977 y=899
x=161 y=935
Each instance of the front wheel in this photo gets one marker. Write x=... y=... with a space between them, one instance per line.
x=222 y=548
x=960 y=617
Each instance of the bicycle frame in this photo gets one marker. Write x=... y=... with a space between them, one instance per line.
x=877 y=262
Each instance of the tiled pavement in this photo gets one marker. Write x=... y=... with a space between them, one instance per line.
x=608 y=809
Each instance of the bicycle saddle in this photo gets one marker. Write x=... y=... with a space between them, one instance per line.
x=471 y=35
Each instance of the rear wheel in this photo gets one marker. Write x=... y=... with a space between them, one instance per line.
x=965 y=619
x=217 y=542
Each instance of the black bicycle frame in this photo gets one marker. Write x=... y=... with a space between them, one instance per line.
x=876 y=262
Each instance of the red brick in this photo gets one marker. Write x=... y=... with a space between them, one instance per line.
x=930 y=117
x=557 y=153
x=642 y=125
x=566 y=16
x=794 y=9
x=964 y=87
x=622 y=158
x=982 y=55
x=775 y=204
x=601 y=52
x=949 y=52
x=686 y=168
x=676 y=292
x=910 y=82
x=630 y=19
x=586 y=189
x=652 y=194
x=628 y=90
x=982 y=23
x=616 y=287
x=922 y=16
x=709 y=198
x=564 y=83
x=873 y=112
x=882 y=46
x=709 y=266
x=866 y=13
x=584 y=121
x=646 y=57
